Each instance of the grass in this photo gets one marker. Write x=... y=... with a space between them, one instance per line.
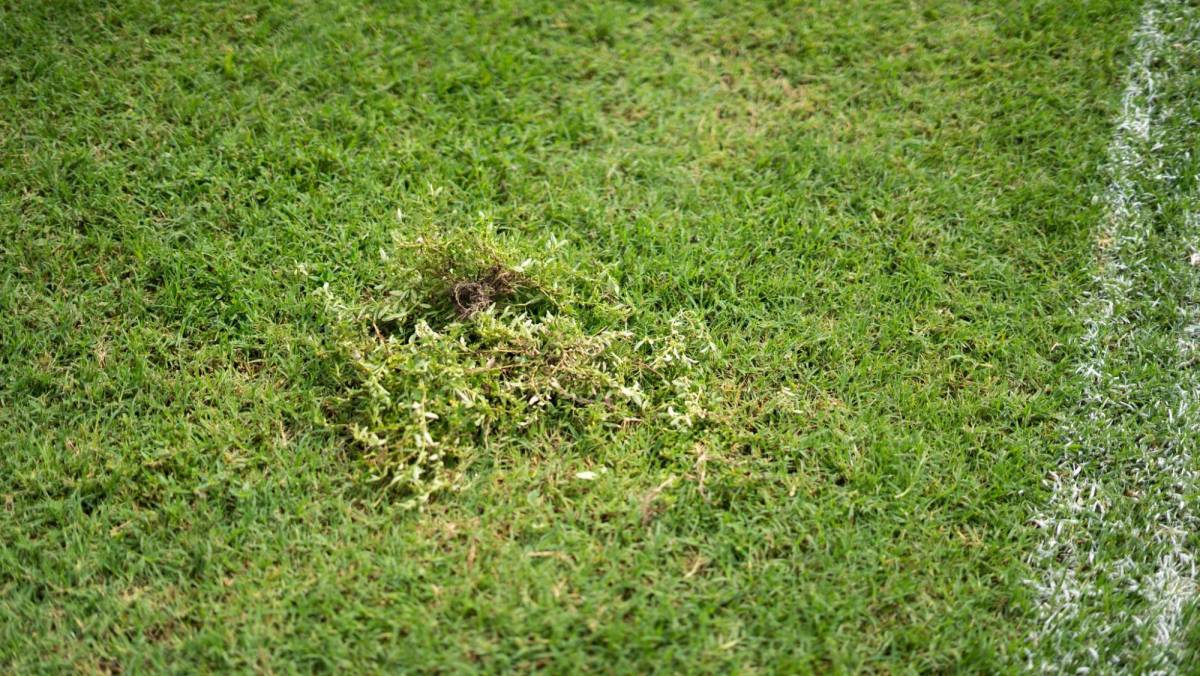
x=1117 y=574
x=879 y=212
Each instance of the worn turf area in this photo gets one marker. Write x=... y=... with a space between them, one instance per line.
x=831 y=248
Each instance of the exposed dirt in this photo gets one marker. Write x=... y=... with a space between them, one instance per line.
x=473 y=295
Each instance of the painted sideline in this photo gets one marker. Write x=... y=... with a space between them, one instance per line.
x=1116 y=569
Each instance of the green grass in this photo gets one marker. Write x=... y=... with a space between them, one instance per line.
x=881 y=213
x=1116 y=566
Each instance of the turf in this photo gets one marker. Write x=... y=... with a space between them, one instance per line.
x=1117 y=573
x=880 y=213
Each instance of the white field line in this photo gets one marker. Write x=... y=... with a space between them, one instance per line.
x=1077 y=565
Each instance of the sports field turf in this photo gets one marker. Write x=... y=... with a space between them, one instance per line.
x=608 y=336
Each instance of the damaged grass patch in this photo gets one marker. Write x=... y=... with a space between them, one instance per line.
x=483 y=356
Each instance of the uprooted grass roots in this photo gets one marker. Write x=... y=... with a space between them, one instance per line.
x=472 y=295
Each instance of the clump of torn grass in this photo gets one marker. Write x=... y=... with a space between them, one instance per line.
x=465 y=352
